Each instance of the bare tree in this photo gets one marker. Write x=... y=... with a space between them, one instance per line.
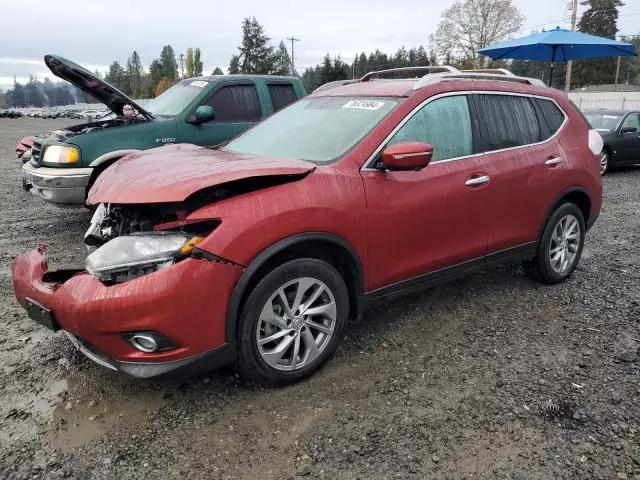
x=469 y=25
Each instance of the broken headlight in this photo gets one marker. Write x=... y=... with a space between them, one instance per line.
x=131 y=256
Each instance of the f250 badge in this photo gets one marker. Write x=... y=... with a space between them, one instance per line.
x=165 y=140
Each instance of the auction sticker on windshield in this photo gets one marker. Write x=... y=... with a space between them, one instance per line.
x=198 y=83
x=364 y=104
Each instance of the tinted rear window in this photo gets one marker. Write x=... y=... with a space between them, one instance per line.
x=282 y=94
x=507 y=121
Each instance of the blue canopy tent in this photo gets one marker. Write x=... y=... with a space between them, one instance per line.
x=558 y=45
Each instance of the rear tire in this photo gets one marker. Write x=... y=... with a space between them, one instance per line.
x=560 y=246
x=278 y=342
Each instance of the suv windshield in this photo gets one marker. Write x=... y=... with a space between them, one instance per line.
x=604 y=122
x=176 y=99
x=314 y=129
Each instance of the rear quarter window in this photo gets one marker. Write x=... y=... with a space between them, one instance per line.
x=551 y=114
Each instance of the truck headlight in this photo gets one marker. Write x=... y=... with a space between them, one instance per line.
x=61 y=154
x=128 y=257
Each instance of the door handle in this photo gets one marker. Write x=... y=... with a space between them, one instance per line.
x=554 y=161
x=472 y=182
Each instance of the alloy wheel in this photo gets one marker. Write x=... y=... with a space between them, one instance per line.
x=296 y=324
x=564 y=244
x=604 y=162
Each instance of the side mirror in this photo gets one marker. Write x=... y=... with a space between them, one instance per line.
x=628 y=130
x=204 y=113
x=406 y=156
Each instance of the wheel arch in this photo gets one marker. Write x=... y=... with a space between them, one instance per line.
x=577 y=195
x=320 y=245
x=104 y=161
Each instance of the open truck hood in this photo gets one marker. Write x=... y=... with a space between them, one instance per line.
x=94 y=86
x=175 y=172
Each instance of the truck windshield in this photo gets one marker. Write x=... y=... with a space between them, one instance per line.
x=176 y=99
x=318 y=129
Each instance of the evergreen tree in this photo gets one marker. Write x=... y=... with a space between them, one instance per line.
x=134 y=74
x=2 y=105
x=600 y=19
x=197 y=63
x=282 y=61
x=156 y=72
x=117 y=76
x=256 y=53
x=400 y=59
x=32 y=94
x=169 y=64
x=234 y=65
x=326 y=74
x=18 y=94
x=217 y=71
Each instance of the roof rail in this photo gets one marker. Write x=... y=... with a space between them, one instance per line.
x=497 y=71
x=430 y=69
x=472 y=75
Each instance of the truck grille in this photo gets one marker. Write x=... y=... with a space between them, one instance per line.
x=36 y=150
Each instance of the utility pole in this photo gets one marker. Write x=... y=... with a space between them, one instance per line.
x=182 y=65
x=574 y=19
x=293 y=61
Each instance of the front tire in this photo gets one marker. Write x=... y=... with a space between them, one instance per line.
x=560 y=246
x=292 y=321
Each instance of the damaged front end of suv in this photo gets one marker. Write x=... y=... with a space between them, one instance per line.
x=149 y=263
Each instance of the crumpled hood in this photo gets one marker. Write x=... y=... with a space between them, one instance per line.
x=173 y=173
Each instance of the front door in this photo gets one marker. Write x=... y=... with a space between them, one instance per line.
x=423 y=221
x=628 y=141
x=236 y=108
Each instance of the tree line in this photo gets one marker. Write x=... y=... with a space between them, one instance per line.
x=465 y=27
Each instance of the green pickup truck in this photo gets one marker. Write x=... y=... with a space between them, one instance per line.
x=202 y=110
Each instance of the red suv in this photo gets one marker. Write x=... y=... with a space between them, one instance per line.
x=259 y=251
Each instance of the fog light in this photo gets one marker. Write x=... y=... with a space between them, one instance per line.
x=149 y=342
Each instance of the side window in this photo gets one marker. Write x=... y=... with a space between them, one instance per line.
x=235 y=103
x=551 y=114
x=507 y=121
x=444 y=123
x=632 y=121
x=282 y=94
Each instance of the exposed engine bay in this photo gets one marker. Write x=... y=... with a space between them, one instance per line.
x=111 y=221
x=64 y=134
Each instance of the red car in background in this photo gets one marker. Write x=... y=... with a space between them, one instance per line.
x=22 y=147
x=260 y=251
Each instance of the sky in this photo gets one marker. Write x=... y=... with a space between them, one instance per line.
x=94 y=34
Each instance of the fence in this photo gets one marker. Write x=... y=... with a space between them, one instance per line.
x=609 y=100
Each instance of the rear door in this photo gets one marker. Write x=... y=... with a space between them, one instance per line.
x=527 y=163
x=236 y=106
x=628 y=143
x=421 y=222
x=281 y=94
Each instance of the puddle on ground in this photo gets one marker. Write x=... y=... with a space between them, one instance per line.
x=86 y=414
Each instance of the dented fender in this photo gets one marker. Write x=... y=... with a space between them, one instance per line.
x=327 y=201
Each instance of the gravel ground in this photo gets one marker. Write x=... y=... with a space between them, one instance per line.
x=493 y=377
